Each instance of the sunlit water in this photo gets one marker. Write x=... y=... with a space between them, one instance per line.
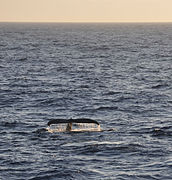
x=117 y=74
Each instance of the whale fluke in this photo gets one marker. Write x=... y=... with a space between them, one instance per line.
x=80 y=120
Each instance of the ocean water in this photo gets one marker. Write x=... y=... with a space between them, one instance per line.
x=117 y=74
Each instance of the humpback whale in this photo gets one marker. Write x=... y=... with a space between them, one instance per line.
x=70 y=121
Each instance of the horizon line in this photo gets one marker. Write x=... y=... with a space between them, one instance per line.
x=86 y=22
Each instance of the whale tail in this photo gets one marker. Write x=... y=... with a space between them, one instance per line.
x=82 y=124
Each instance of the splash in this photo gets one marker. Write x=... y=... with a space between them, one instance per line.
x=76 y=127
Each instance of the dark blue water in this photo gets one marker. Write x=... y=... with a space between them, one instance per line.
x=117 y=74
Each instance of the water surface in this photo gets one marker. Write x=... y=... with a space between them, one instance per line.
x=117 y=74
